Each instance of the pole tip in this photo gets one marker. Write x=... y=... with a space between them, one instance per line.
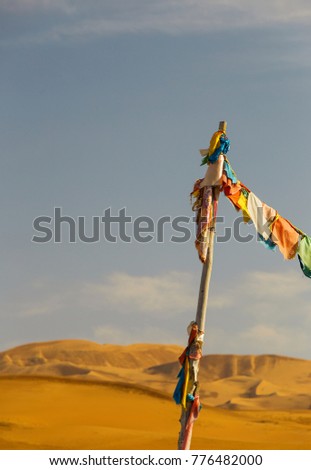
x=223 y=126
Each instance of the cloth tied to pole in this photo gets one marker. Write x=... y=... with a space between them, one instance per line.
x=273 y=230
x=189 y=360
x=205 y=206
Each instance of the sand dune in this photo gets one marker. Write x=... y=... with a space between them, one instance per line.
x=76 y=394
x=224 y=378
x=46 y=413
x=87 y=353
x=232 y=381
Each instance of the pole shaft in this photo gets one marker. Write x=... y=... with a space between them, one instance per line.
x=206 y=272
x=185 y=435
x=205 y=282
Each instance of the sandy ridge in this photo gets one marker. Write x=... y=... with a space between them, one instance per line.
x=227 y=381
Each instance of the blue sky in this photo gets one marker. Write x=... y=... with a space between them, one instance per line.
x=105 y=104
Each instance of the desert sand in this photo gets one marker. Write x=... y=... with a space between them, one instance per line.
x=76 y=394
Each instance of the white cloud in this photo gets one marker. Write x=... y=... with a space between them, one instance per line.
x=266 y=335
x=261 y=285
x=113 y=335
x=259 y=291
x=256 y=294
x=277 y=339
x=258 y=313
x=267 y=313
x=43 y=6
x=184 y=16
x=260 y=338
x=93 y=18
x=38 y=298
x=134 y=334
x=166 y=294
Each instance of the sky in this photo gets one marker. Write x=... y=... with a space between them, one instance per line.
x=104 y=105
